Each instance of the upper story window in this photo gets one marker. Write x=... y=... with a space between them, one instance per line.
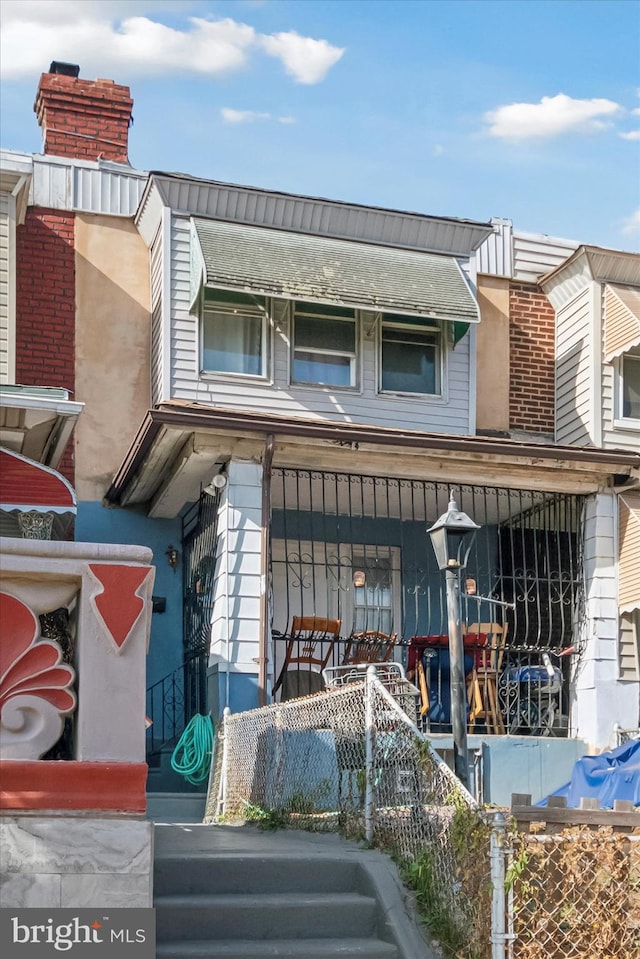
x=324 y=345
x=411 y=356
x=234 y=333
x=630 y=385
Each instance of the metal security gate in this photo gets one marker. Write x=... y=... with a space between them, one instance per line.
x=199 y=538
x=356 y=548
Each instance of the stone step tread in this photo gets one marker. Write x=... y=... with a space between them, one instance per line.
x=192 y=874
x=356 y=948
x=260 y=900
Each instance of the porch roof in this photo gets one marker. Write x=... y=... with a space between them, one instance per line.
x=326 y=270
x=179 y=444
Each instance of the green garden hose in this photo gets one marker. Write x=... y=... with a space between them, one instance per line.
x=192 y=755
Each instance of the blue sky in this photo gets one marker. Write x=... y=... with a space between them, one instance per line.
x=527 y=109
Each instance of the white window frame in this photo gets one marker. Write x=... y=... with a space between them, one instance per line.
x=319 y=314
x=362 y=559
x=430 y=327
x=210 y=306
x=633 y=357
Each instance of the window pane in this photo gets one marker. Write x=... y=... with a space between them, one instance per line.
x=232 y=343
x=631 y=387
x=324 y=349
x=409 y=361
x=322 y=369
x=320 y=333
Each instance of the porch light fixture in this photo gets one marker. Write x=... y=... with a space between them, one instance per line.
x=172 y=557
x=359 y=578
x=452 y=536
x=218 y=482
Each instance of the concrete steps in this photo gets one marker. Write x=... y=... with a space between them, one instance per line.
x=173 y=807
x=222 y=891
x=283 y=948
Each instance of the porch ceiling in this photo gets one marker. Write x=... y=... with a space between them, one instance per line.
x=179 y=445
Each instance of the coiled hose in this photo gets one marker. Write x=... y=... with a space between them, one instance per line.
x=192 y=756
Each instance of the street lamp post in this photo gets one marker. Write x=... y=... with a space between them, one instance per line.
x=451 y=536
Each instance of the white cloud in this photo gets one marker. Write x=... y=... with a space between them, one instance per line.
x=306 y=60
x=106 y=36
x=631 y=135
x=632 y=223
x=437 y=150
x=229 y=115
x=551 y=117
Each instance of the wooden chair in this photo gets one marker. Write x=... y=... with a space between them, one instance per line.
x=369 y=646
x=311 y=642
x=482 y=685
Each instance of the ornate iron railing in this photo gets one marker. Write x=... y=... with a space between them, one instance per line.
x=355 y=548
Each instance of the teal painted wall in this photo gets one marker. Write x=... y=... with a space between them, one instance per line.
x=96 y=524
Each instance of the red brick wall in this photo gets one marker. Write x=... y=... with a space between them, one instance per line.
x=531 y=343
x=46 y=305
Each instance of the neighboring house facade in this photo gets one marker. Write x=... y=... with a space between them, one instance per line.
x=596 y=297
x=75 y=321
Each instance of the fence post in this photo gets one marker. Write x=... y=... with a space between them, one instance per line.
x=498 y=912
x=222 y=800
x=368 y=760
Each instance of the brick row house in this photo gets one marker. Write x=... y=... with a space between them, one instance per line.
x=282 y=392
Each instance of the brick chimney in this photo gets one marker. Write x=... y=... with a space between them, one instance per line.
x=83 y=119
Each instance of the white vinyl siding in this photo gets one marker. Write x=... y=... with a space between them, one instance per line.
x=448 y=413
x=574 y=372
x=7 y=289
x=157 y=357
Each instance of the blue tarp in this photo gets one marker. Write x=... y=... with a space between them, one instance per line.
x=607 y=777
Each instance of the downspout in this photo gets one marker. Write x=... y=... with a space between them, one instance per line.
x=265 y=552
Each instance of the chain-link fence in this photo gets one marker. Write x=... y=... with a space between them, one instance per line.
x=353 y=760
x=576 y=895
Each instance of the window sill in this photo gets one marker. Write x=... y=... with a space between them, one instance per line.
x=324 y=388
x=425 y=397
x=627 y=424
x=209 y=376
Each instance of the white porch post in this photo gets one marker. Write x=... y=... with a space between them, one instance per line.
x=235 y=629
